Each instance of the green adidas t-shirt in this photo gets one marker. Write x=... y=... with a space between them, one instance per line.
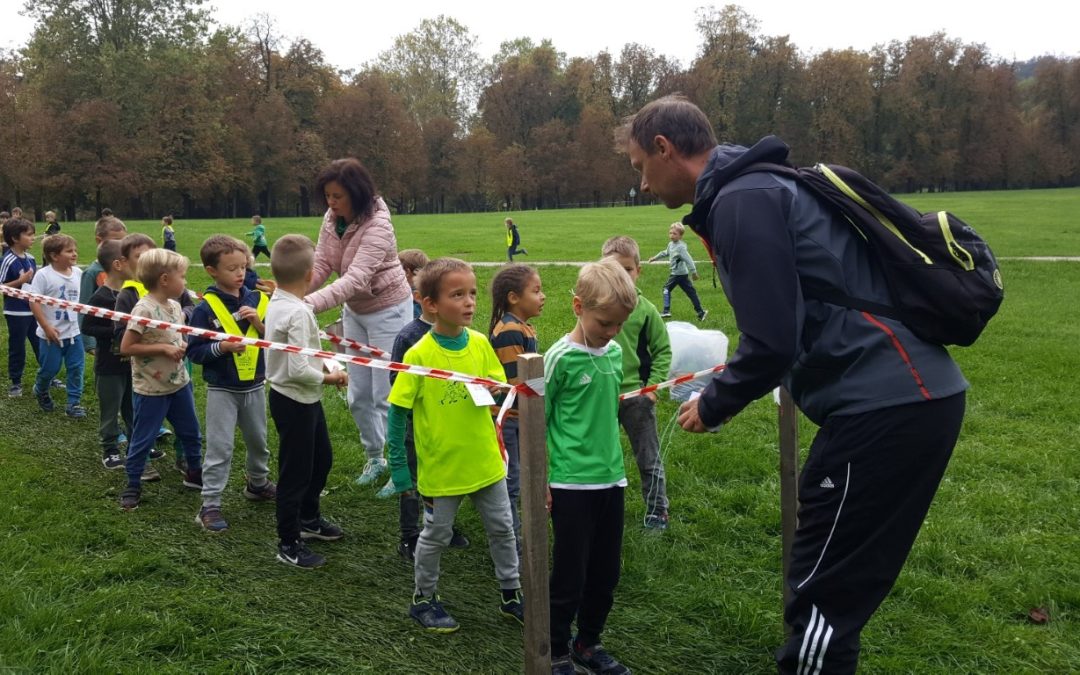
x=456 y=449
x=581 y=392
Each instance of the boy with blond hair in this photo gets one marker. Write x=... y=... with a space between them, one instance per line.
x=305 y=454
x=159 y=381
x=586 y=478
x=682 y=268
x=646 y=359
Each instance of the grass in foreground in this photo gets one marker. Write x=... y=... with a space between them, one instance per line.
x=90 y=588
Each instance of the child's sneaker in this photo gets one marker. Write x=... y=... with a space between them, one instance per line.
x=181 y=465
x=266 y=492
x=665 y=314
x=595 y=659
x=513 y=605
x=701 y=316
x=210 y=519
x=656 y=521
x=57 y=384
x=372 y=470
x=430 y=614
x=163 y=432
x=122 y=439
x=320 y=528
x=44 y=400
x=386 y=491
x=75 y=411
x=299 y=555
x=149 y=474
x=193 y=479
x=14 y=391
x=458 y=540
x=407 y=548
x=156 y=453
x=562 y=665
x=112 y=460
x=129 y=498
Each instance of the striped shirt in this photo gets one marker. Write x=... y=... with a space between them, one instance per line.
x=511 y=338
x=11 y=269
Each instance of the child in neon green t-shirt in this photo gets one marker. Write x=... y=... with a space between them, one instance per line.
x=457 y=452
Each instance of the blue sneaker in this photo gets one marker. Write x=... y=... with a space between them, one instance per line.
x=75 y=411
x=595 y=659
x=121 y=439
x=44 y=400
x=430 y=614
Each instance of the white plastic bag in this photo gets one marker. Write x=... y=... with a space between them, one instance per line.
x=693 y=349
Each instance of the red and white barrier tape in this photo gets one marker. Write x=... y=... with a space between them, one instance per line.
x=681 y=379
x=354 y=345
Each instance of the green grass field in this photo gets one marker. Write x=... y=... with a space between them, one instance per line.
x=90 y=588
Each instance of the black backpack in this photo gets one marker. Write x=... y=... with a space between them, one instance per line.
x=944 y=280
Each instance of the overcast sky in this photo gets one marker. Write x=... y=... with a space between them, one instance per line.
x=351 y=33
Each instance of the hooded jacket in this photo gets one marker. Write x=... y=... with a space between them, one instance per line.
x=767 y=236
x=370 y=277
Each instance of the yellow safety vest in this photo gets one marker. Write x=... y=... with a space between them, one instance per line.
x=139 y=288
x=247 y=360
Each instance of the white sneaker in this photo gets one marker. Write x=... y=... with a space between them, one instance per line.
x=372 y=470
x=386 y=491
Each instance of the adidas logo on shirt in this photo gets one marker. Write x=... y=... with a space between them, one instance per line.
x=827 y=483
x=585 y=380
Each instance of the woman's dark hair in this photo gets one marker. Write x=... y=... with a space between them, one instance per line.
x=510 y=279
x=357 y=181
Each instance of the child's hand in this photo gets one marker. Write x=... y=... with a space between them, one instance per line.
x=174 y=352
x=232 y=347
x=252 y=316
x=339 y=378
x=695 y=276
x=25 y=277
x=51 y=334
x=651 y=396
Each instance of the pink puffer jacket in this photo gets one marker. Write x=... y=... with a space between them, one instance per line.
x=370 y=277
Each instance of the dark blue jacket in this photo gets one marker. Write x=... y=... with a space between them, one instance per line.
x=766 y=237
x=218 y=368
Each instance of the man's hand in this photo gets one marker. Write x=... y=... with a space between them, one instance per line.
x=689 y=419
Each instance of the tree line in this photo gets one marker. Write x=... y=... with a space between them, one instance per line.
x=149 y=107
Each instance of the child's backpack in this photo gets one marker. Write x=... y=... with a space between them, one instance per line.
x=943 y=278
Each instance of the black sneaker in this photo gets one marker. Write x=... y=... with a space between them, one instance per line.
x=112 y=460
x=407 y=548
x=459 y=540
x=129 y=498
x=320 y=528
x=513 y=605
x=299 y=555
x=156 y=453
x=44 y=400
x=562 y=665
x=267 y=492
x=193 y=479
x=656 y=521
x=704 y=313
x=181 y=465
x=596 y=660
x=430 y=614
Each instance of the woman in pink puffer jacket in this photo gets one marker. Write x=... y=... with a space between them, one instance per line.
x=357 y=243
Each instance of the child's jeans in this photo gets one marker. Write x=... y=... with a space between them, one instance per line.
x=513 y=472
x=493 y=505
x=69 y=353
x=150 y=411
x=637 y=416
x=21 y=329
x=114 y=398
x=683 y=282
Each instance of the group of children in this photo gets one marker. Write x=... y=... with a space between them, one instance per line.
x=617 y=344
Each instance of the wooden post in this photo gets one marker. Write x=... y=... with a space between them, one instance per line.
x=789 y=483
x=532 y=435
